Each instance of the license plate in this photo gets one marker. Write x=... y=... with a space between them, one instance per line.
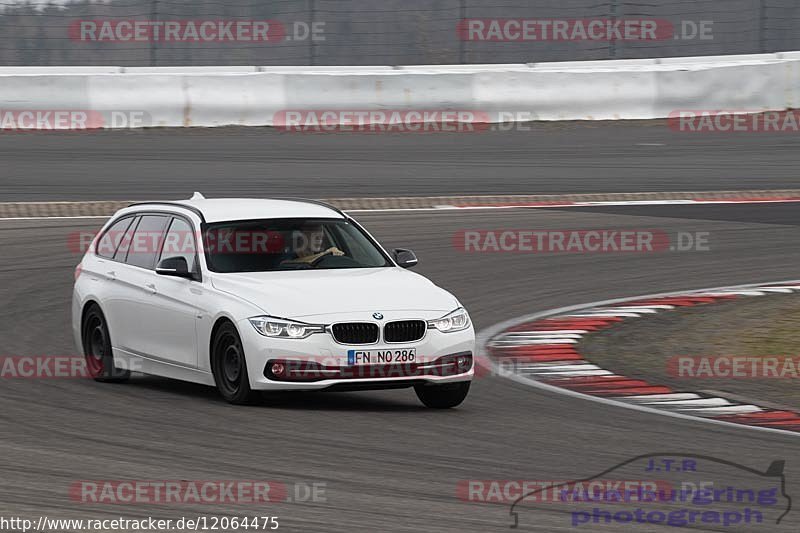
x=379 y=357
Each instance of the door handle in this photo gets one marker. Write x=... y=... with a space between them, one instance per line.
x=152 y=288
x=111 y=275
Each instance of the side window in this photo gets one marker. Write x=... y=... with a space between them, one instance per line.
x=125 y=241
x=147 y=240
x=110 y=240
x=180 y=242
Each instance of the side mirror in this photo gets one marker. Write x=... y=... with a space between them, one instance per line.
x=405 y=258
x=174 y=266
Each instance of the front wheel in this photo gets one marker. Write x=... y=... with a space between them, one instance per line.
x=443 y=396
x=229 y=366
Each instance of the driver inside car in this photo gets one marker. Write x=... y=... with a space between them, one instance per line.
x=308 y=243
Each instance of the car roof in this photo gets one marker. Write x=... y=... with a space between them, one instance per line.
x=230 y=209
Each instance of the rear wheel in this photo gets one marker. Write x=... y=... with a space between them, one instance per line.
x=97 y=348
x=443 y=396
x=229 y=366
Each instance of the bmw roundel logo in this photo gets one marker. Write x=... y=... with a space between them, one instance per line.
x=377 y=316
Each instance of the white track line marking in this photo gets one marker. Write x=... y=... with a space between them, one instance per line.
x=603 y=315
x=520 y=205
x=558 y=336
x=534 y=205
x=575 y=374
x=776 y=290
x=636 y=310
x=726 y=293
x=671 y=396
x=644 y=308
x=555 y=331
x=532 y=368
x=533 y=342
x=557 y=366
x=699 y=402
x=729 y=410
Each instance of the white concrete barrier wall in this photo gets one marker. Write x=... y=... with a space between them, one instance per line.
x=255 y=96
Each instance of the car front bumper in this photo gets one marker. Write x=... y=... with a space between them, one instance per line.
x=328 y=361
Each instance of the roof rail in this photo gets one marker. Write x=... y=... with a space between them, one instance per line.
x=173 y=204
x=310 y=201
x=199 y=213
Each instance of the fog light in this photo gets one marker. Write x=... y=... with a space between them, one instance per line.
x=462 y=362
x=278 y=369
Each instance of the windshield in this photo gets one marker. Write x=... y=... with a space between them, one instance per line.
x=289 y=244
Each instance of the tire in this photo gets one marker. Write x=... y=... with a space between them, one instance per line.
x=443 y=396
x=97 y=348
x=229 y=366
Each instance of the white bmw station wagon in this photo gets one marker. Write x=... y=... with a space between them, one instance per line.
x=251 y=295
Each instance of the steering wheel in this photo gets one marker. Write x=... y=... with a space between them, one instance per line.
x=320 y=258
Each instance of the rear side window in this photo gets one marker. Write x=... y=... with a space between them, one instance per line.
x=109 y=242
x=125 y=241
x=147 y=241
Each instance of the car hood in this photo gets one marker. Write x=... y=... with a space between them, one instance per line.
x=303 y=293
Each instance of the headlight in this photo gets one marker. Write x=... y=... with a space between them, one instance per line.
x=456 y=321
x=287 y=329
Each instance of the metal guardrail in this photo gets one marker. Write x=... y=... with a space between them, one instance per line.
x=452 y=98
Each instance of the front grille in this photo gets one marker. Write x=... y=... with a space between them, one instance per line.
x=404 y=331
x=355 y=333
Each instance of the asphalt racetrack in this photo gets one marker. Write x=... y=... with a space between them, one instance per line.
x=550 y=158
x=388 y=464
